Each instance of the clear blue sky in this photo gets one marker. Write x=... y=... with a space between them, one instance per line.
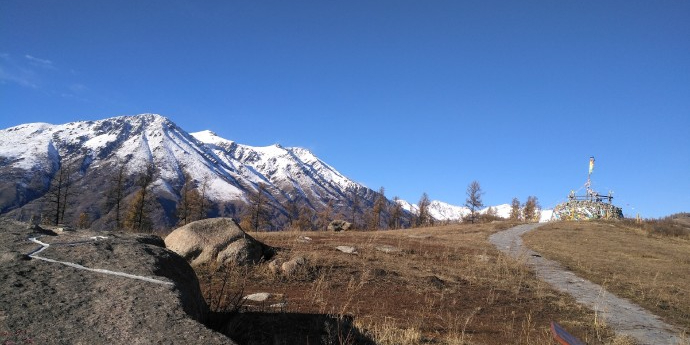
x=415 y=96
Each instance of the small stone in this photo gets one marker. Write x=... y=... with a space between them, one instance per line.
x=388 y=249
x=347 y=249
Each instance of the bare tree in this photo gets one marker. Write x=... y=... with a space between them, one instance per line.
x=474 y=200
x=138 y=213
x=59 y=193
x=325 y=216
x=257 y=214
x=377 y=209
x=356 y=205
x=116 y=193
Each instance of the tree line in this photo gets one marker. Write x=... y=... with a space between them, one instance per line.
x=130 y=202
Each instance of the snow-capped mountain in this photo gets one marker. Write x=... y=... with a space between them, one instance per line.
x=31 y=154
x=442 y=211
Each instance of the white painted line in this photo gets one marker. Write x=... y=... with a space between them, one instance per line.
x=97 y=270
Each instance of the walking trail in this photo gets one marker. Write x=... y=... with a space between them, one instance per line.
x=625 y=317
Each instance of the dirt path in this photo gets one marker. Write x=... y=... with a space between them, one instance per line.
x=625 y=317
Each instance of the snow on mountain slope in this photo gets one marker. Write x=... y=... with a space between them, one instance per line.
x=442 y=211
x=31 y=154
x=291 y=169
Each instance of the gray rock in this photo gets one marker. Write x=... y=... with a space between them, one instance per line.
x=290 y=267
x=347 y=249
x=215 y=239
x=96 y=288
x=339 y=225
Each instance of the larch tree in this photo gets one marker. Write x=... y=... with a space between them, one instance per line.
x=138 y=217
x=116 y=192
x=515 y=209
x=325 y=216
x=424 y=218
x=530 y=211
x=474 y=200
x=378 y=208
x=396 y=213
x=258 y=214
x=59 y=193
x=356 y=205
x=189 y=206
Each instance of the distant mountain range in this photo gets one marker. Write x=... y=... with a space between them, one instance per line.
x=32 y=154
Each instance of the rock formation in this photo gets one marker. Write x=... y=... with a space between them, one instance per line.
x=95 y=288
x=216 y=239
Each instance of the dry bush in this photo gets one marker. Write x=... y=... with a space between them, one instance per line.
x=667 y=226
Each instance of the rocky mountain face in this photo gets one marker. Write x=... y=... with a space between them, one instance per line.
x=92 y=152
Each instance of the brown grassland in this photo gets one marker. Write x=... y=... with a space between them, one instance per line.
x=648 y=263
x=445 y=285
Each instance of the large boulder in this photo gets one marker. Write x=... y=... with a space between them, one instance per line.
x=215 y=240
x=97 y=288
x=339 y=225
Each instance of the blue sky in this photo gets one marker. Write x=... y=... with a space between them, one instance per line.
x=414 y=96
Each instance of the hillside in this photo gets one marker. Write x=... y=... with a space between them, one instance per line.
x=646 y=263
x=440 y=285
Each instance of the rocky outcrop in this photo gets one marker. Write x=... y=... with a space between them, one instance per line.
x=93 y=288
x=215 y=240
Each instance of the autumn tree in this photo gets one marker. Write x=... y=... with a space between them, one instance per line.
x=257 y=214
x=530 y=211
x=292 y=211
x=60 y=192
x=325 y=216
x=396 y=212
x=377 y=209
x=305 y=218
x=84 y=221
x=515 y=209
x=190 y=206
x=138 y=214
x=474 y=200
x=356 y=205
x=116 y=193
x=424 y=218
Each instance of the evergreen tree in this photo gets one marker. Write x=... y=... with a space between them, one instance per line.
x=474 y=200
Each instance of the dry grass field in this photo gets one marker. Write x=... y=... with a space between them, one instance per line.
x=441 y=285
x=648 y=263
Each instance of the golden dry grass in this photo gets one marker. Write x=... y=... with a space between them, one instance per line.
x=632 y=261
x=446 y=285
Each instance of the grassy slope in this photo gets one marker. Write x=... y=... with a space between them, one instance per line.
x=447 y=285
x=650 y=269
